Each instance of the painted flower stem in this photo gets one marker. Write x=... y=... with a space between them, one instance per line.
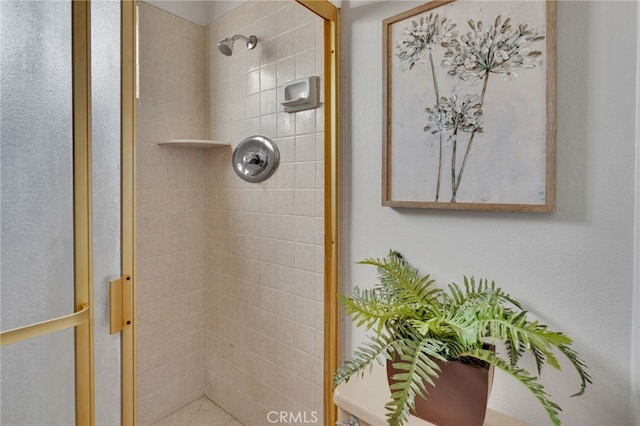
x=435 y=80
x=453 y=164
x=456 y=183
x=437 y=93
x=439 y=167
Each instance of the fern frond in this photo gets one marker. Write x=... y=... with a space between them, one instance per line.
x=402 y=282
x=450 y=324
x=374 y=349
x=521 y=335
x=515 y=353
x=418 y=368
x=457 y=295
x=579 y=365
x=488 y=292
x=539 y=356
x=368 y=309
x=529 y=381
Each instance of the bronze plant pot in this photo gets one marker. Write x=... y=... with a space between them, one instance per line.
x=460 y=396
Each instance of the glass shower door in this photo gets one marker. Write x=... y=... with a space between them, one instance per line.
x=59 y=244
x=106 y=202
x=37 y=256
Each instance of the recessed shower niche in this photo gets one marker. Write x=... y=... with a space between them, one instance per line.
x=230 y=274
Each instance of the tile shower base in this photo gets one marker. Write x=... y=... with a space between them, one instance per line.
x=200 y=412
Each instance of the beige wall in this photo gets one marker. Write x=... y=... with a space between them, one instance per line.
x=265 y=241
x=170 y=252
x=234 y=264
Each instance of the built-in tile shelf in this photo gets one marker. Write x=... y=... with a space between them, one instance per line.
x=194 y=143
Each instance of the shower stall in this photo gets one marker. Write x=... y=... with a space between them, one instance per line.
x=230 y=274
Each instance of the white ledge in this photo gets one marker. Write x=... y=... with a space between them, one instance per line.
x=194 y=143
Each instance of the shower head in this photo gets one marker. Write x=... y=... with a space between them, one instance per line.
x=226 y=46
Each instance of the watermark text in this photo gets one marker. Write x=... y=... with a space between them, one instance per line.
x=292 y=417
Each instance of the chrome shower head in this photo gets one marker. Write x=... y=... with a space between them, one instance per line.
x=226 y=46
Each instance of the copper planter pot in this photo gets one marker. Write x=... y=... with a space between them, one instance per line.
x=460 y=396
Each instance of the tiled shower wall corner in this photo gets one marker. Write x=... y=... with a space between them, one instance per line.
x=265 y=255
x=170 y=252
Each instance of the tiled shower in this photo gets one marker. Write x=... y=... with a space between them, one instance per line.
x=229 y=273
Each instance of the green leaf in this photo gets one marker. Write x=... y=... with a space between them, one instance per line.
x=579 y=365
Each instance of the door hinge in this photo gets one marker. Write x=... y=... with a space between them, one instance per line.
x=120 y=303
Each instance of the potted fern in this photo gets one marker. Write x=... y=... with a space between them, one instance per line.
x=421 y=330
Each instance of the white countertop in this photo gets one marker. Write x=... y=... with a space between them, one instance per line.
x=365 y=397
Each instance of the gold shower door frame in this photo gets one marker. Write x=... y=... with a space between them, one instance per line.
x=329 y=13
x=127 y=161
x=82 y=318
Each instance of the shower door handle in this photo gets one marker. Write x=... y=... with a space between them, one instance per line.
x=45 y=327
x=120 y=303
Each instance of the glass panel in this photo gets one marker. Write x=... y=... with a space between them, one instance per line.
x=36 y=162
x=105 y=86
x=37 y=380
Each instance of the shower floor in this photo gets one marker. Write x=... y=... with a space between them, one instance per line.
x=201 y=412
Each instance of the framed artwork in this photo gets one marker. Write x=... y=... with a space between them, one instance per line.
x=470 y=92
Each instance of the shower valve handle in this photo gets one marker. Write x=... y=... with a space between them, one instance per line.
x=253 y=163
x=255 y=158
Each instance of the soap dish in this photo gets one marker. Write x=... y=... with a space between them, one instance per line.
x=302 y=94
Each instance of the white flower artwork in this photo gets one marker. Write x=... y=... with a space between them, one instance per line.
x=471 y=106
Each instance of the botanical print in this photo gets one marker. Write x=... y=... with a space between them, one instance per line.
x=468 y=104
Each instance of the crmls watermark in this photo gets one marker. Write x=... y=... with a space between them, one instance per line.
x=292 y=417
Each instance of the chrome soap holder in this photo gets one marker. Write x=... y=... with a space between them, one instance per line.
x=302 y=94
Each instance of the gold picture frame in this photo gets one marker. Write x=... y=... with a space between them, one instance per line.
x=470 y=114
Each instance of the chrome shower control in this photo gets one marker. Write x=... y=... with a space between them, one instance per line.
x=255 y=158
x=253 y=163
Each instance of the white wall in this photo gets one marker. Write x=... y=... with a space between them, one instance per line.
x=574 y=268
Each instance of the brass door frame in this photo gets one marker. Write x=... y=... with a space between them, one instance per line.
x=85 y=413
x=327 y=11
x=128 y=99
x=127 y=161
x=82 y=318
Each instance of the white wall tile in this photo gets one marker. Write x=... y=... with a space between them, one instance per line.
x=268 y=77
x=285 y=45
x=305 y=175
x=285 y=17
x=170 y=233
